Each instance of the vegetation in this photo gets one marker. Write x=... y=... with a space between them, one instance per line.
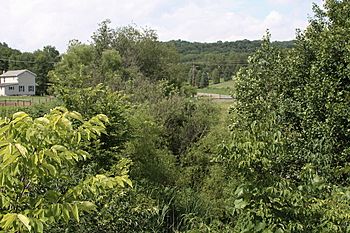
x=220 y=60
x=223 y=88
x=130 y=150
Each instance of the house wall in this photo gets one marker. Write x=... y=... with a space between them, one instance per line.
x=8 y=91
x=8 y=80
x=25 y=80
x=2 y=91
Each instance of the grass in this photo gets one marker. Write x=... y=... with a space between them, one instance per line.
x=223 y=88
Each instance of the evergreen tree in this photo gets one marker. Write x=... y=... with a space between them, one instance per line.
x=215 y=76
x=204 y=81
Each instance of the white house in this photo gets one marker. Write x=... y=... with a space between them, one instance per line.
x=17 y=82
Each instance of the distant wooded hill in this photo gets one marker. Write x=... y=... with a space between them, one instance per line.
x=239 y=46
x=201 y=51
x=219 y=60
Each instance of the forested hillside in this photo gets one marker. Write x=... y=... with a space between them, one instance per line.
x=218 y=61
x=127 y=148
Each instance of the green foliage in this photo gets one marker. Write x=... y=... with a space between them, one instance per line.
x=289 y=132
x=36 y=110
x=184 y=120
x=43 y=63
x=118 y=58
x=37 y=159
x=133 y=210
x=75 y=70
x=204 y=81
x=215 y=76
x=226 y=57
x=152 y=159
x=100 y=99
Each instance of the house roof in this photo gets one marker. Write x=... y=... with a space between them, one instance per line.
x=14 y=73
x=7 y=84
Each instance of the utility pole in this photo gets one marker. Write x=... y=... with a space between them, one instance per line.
x=193 y=75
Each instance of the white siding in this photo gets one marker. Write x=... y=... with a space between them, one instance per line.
x=21 y=86
x=9 y=91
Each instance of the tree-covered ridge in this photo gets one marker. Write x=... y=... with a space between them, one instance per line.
x=217 y=61
x=239 y=46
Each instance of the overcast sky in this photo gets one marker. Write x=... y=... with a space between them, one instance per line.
x=31 y=24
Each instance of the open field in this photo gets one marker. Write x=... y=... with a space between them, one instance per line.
x=223 y=88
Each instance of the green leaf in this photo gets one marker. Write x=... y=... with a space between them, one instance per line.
x=78 y=137
x=65 y=213
x=50 y=168
x=38 y=226
x=56 y=210
x=128 y=181
x=24 y=220
x=260 y=226
x=59 y=148
x=279 y=230
x=19 y=115
x=75 y=115
x=75 y=212
x=8 y=157
x=7 y=220
x=87 y=205
x=4 y=129
x=21 y=149
x=240 y=203
x=42 y=120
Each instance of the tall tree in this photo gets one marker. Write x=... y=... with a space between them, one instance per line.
x=290 y=131
x=44 y=62
x=215 y=76
x=204 y=81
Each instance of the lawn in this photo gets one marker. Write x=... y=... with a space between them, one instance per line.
x=223 y=88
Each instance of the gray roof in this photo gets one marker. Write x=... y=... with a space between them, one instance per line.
x=15 y=73
x=8 y=84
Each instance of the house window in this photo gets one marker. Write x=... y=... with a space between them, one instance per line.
x=21 y=89
x=31 y=88
x=11 y=88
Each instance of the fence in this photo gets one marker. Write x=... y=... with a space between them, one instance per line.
x=214 y=96
x=25 y=102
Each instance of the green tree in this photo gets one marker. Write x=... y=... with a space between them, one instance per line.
x=227 y=74
x=198 y=78
x=215 y=76
x=103 y=37
x=45 y=60
x=38 y=159
x=76 y=69
x=204 y=81
x=115 y=106
x=290 y=141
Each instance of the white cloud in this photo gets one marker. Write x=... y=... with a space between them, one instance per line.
x=197 y=22
x=29 y=25
x=283 y=1
x=274 y=18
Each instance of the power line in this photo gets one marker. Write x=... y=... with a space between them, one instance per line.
x=215 y=64
x=23 y=61
x=190 y=63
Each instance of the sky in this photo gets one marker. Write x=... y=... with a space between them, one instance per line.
x=31 y=24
